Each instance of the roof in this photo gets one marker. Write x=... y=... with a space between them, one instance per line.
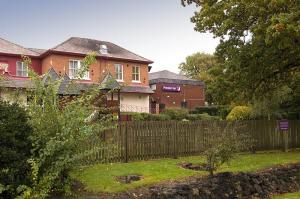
x=136 y=89
x=84 y=46
x=166 y=76
x=109 y=83
x=8 y=47
x=38 y=50
x=67 y=87
x=16 y=83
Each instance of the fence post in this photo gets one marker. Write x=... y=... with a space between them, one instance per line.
x=126 y=144
x=286 y=141
x=175 y=133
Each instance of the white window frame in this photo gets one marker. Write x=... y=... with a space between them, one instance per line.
x=134 y=73
x=86 y=75
x=117 y=72
x=23 y=72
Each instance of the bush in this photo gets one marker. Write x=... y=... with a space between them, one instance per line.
x=148 y=117
x=221 y=111
x=159 y=117
x=240 y=113
x=210 y=110
x=15 y=149
x=176 y=113
x=60 y=134
x=224 y=111
x=170 y=116
x=204 y=116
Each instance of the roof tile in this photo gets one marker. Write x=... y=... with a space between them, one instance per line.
x=84 y=46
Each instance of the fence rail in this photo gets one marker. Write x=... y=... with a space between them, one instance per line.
x=160 y=139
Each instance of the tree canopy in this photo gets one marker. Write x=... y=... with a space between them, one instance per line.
x=259 y=49
x=197 y=65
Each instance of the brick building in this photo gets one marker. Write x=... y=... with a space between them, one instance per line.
x=172 y=90
x=128 y=69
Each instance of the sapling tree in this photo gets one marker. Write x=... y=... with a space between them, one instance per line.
x=224 y=142
x=59 y=133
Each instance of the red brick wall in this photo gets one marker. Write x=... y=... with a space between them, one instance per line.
x=12 y=62
x=61 y=65
x=193 y=95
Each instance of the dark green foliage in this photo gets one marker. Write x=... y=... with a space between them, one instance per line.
x=203 y=116
x=176 y=113
x=166 y=117
x=15 y=148
x=198 y=66
x=220 y=111
x=259 y=49
x=210 y=110
x=148 y=117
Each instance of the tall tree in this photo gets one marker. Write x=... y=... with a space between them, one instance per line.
x=200 y=66
x=197 y=66
x=259 y=42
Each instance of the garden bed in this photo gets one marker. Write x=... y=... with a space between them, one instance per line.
x=225 y=185
x=102 y=177
x=259 y=185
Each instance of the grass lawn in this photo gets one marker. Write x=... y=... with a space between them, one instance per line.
x=101 y=177
x=288 y=196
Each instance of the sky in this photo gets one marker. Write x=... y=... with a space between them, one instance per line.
x=159 y=30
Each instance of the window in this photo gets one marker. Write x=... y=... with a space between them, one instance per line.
x=22 y=70
x=153 y=87
x=184 y=104
x=119 y=72
x=74 y=67
x=136 y=74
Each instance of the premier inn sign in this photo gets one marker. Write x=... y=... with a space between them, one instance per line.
x=171 y=88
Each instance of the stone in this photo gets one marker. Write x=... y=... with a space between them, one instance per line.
x=239 y=185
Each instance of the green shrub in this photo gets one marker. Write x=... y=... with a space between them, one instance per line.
x=240 y=113
x=148 y=117
x=60 y=135
x=135 y=116
x=210 y=110
x=204 y=116
x=223 y=111
x=15 y=149
x=159 y=117
x=176 y=113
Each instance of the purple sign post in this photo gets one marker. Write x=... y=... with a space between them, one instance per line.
x=284 y=127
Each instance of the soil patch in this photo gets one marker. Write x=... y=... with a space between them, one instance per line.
x=195 y=167
x=129 y=178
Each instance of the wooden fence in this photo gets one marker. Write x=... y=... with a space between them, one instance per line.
x=159 y=139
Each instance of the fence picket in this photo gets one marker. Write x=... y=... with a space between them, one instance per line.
x=160 y=139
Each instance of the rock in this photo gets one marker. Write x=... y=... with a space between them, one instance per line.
x=240 y=185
